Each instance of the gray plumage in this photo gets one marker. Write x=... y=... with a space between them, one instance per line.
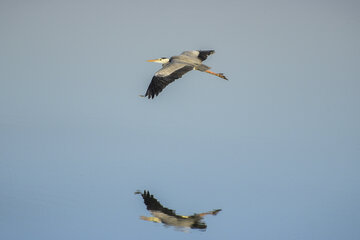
x=177 y=66
x=169 y=217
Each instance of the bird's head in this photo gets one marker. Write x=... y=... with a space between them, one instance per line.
x=162 y=60
x=151 y=219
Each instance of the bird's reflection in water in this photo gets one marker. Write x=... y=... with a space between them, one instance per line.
x=168 y=217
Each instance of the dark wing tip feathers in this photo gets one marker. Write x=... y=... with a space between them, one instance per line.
x=204 y=54
x=155 y=87
x=158 y=83
x=152 y=204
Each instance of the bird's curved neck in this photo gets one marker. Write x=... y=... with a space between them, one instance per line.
x=165 y=61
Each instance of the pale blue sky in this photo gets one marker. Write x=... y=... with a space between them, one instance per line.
x=277 y=147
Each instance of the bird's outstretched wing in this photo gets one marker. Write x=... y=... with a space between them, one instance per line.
x=200 y=54
x=169 y=73
x=152 y=204
x=204 y=54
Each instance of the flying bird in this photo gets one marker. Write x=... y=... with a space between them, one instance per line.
x=169 y=217
x=176 y=66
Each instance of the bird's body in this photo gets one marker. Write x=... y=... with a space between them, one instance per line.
x=177 y=66
x=169 y=217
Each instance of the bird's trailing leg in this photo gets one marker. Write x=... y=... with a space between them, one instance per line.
x=220 y=75
x=214 y=212
x=151 y=219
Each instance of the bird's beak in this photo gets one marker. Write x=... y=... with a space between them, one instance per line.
x=153 y=60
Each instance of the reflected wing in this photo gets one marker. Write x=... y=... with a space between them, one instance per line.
x=169 y=73
x=152 y=204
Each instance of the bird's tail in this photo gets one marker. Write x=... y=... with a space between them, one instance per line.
x=202 y=67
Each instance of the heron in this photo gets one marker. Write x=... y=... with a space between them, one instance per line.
x=168 y=217
x=175 y=67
